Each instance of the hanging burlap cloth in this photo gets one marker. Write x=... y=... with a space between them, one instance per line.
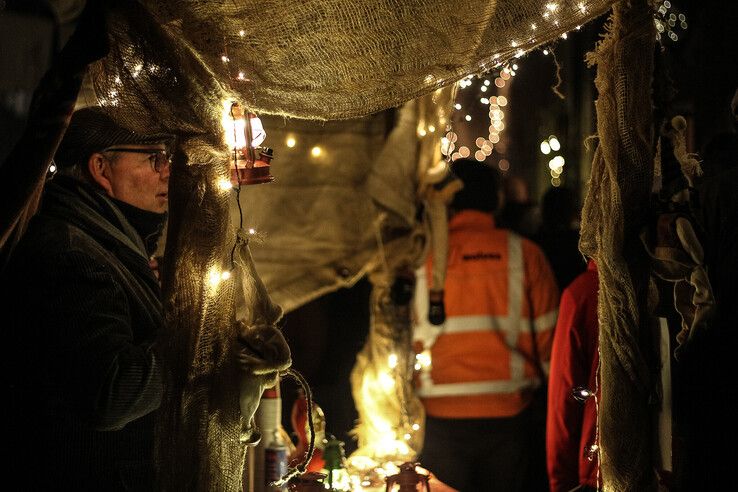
x=613 y=215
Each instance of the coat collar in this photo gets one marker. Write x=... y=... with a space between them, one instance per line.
x=471 y=218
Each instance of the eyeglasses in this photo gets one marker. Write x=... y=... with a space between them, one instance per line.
x=157 y=158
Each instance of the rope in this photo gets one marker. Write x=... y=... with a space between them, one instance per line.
x=302 y=467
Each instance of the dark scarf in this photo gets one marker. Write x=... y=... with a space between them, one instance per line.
x=147 y=224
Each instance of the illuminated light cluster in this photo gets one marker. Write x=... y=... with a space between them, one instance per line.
x=669 y=21
x=582 y=393
x=556 y=163
x=551 y=143
x=592 y=452
x=423 y=130
x=216 y=276
x=448 y=143
x=385 y=441
x=485 y=145
x=465 y=82
x=224 y=184
x=387 y=381
x=423 y=360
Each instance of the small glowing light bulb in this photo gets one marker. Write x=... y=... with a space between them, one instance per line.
x=316 y=151
x=392 y=361
x=545 y=148
x=457 y=106
x=291 y=142
x=554 y=143
x=581 y=393
x=467 y=117
x=225 y=184
x=225 y=275
x=225 y=59
x=431 y=128
x=592 y=452
x=52 y=168
x=214 y=278
x=252 y=231
x=416 y=427
x=242 y=33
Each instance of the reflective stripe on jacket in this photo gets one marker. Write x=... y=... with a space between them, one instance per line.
x=481 y=357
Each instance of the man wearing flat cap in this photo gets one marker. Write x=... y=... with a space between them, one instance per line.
x=84 y=309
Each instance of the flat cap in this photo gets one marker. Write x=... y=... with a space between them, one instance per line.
x=93 y=130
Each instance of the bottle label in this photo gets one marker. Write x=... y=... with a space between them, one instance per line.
x=275 y=460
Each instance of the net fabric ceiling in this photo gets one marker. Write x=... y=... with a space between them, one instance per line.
x=327 y=59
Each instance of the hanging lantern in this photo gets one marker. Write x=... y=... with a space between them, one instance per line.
x=407 y=480
x=250 y=164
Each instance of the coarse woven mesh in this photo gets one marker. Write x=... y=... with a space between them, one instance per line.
x=612 y=217
x=318 y=59
x=170 y=68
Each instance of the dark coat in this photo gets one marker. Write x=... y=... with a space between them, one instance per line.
x=83 y=309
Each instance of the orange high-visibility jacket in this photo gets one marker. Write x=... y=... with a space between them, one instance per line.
x=481 y=357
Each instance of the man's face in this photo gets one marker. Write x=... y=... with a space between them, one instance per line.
x=134 y=178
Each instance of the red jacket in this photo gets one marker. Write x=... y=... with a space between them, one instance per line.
x=571 y=424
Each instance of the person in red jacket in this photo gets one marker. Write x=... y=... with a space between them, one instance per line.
x=571 y=421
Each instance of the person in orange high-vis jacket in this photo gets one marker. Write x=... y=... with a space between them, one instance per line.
x=480 y=369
